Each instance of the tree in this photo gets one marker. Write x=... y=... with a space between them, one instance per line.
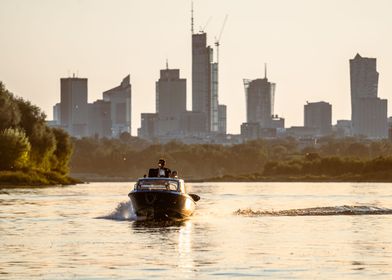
x=14 y=149
x=42 y=140
x=63 y=151
x=9 y=111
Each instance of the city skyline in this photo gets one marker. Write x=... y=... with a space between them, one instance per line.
x=307 y=45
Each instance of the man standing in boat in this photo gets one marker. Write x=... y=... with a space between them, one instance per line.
x=161 y=171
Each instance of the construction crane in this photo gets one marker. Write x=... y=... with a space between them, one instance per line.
x=202 y=29
x=217 y=39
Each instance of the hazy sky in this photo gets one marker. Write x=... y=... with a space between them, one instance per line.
x=306 y=43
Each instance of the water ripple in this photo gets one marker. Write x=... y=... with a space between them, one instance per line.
x=318 y=211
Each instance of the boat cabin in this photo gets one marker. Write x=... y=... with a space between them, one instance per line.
x=160 y=184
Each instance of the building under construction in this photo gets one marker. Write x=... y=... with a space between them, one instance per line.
x=205 y=81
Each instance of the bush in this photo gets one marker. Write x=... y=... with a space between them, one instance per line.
x=14 y=149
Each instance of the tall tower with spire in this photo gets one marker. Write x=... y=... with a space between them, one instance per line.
x=201 y=76
x=204 y=80
x=260 y=95
x=170 y=101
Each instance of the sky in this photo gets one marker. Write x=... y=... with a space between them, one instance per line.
x=306 y=44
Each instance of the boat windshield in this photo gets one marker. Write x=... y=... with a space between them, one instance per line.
x=157 y=185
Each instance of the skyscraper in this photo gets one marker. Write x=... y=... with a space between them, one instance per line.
x=214 y=106
x=148 y=127
x=202 y=77
x=73 y=108
x=120 y=99
x=318 y=115
x=57 y=113
x=99 y=119
x=368 y=112
x=170 y=101
x=260 y=94
x=371 y=119
x=205 y=80
x=222 y=119
x=363 y=77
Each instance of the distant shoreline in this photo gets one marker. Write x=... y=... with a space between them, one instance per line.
x=34 y=179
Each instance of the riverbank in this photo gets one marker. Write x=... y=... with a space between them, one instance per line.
x=34 y=178
x=37 y=178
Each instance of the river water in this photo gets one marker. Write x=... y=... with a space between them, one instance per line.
x=239 y=230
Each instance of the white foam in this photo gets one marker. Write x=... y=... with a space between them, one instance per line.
x=319 y=211
x=123 y=212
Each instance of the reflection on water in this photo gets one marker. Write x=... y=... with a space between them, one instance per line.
x=54 y=233
x=185 y=255
x=159 y=226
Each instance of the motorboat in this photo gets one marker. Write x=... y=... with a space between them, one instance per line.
x=162 y=198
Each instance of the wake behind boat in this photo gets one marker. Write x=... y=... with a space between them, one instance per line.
x=162 y=198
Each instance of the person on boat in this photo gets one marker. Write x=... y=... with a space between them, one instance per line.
x=161 y=171
x=174 y=174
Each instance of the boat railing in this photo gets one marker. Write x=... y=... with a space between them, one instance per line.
x=158 y=185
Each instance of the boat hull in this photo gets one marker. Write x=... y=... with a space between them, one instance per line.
x=162 y=205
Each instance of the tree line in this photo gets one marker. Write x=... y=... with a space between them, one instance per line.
x=131 y=157
x=333 y=167
x=28 y=145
